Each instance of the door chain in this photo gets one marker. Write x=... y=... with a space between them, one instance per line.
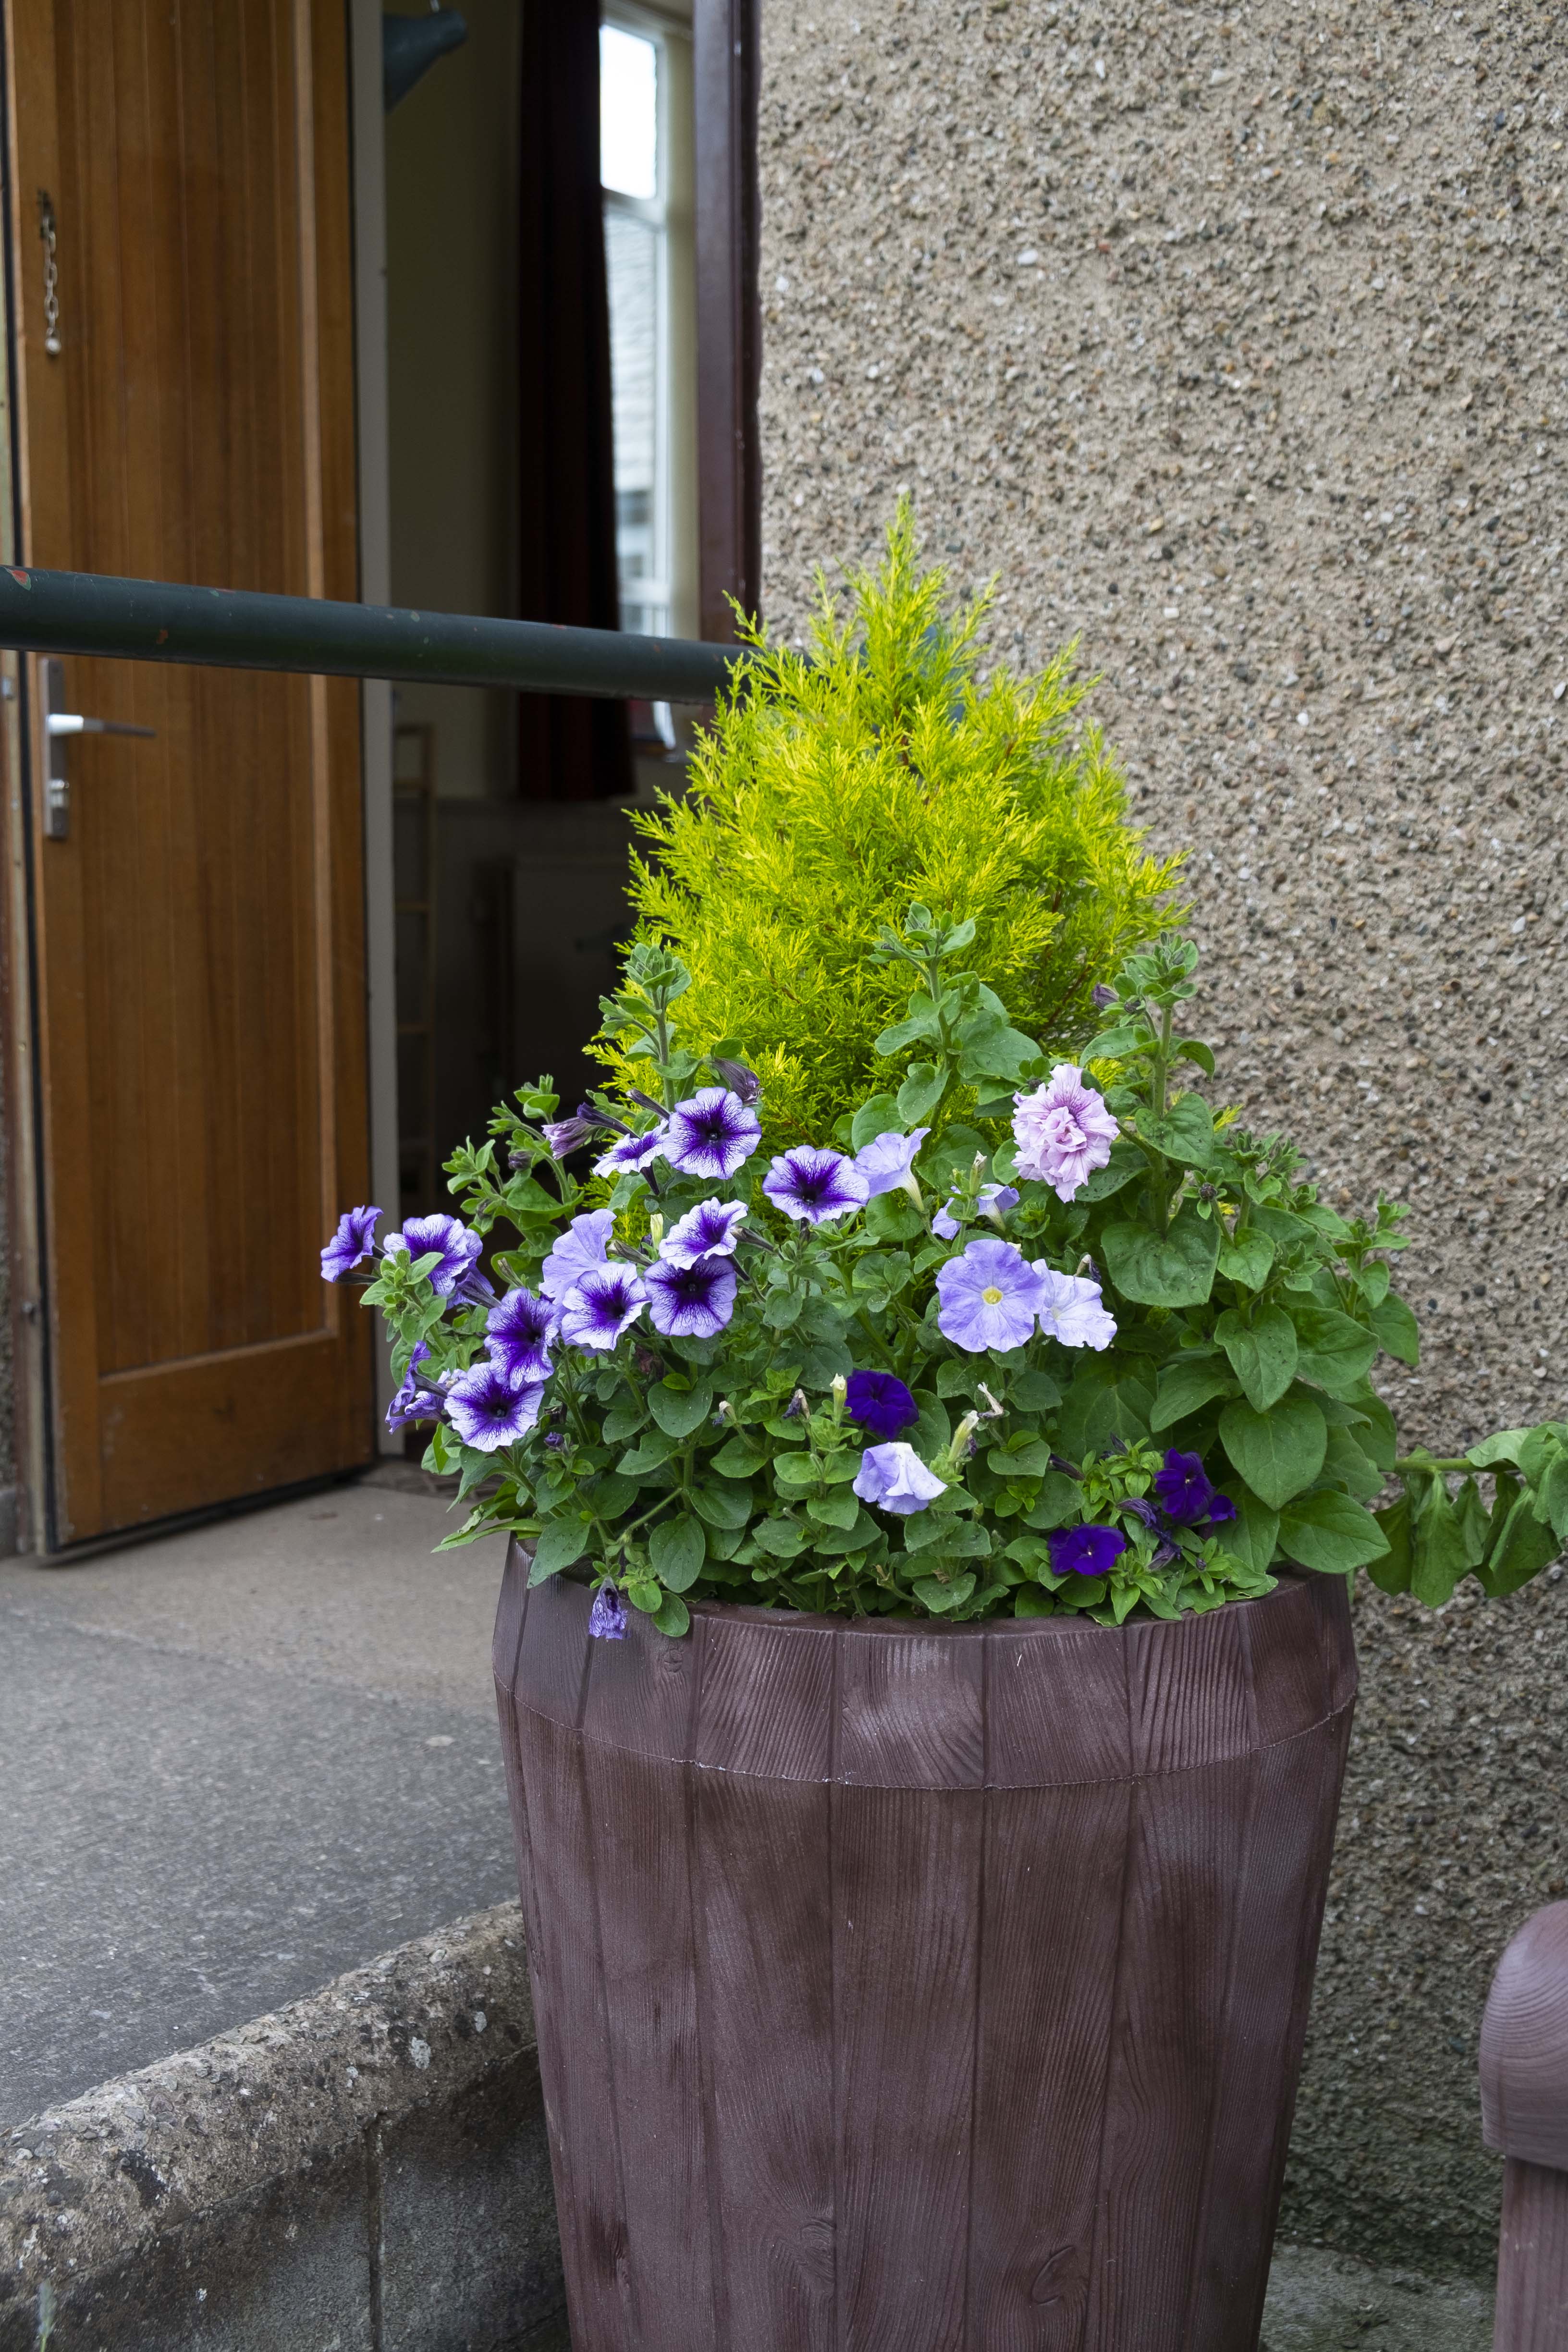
x=51 y=275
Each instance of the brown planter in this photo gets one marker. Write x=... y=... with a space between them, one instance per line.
x=910 y=1990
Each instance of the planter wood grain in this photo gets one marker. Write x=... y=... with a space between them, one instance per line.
x=910 y=1990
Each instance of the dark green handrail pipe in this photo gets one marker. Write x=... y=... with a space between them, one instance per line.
x=233 y=628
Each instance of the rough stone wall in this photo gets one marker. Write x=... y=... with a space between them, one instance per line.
x=1234 y=340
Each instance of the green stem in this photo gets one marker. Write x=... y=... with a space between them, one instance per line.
x=1445 y=1462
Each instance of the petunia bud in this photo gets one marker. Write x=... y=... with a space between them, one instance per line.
x=656 y=1228
x=995 y=1412
x=796 y=1406
x=740 y=1080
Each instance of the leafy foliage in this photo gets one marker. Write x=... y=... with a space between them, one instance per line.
x=870 y=770
x=1228 y=1423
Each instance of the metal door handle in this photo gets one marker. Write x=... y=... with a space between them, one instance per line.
x=60 y=725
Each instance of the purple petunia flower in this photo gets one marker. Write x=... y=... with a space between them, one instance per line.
x=565 y=1135
x=488 y=1410
x=994 y=1202
x=1184 y=1491
x=1071 y=1311
x=1101 y=997
x=1084 y=1551
x=887 y=1162
x=691 y=1302
x=604 y=1301
x=740 y=1080
x=607 y=1617
x=989 y=1297
x=1063 y=1132
x=586 y=1242
x=813 y=1185
x=711 y=1229
x=1222 y=1511
x=455 y=1249
x=881 y=1402
x=517 y=1332
x=354 y=1242
x=712 y=1133
x=631 y=1153
x=417 y=1399
x=896 y=1479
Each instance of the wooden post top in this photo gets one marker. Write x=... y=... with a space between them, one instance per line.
x=1524 y=2045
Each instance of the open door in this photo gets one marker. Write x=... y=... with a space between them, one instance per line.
x=182 y=346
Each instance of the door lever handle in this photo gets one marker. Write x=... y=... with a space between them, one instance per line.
x=59 y=724
x=71 y=722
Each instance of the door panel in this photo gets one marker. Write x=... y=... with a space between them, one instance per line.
x=199 y=929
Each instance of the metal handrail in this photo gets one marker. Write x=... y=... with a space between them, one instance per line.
x=232 y=628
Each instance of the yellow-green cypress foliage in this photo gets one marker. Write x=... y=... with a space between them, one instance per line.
x=837 y=786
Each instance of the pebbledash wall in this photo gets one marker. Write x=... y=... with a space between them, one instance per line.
x=1235 y=343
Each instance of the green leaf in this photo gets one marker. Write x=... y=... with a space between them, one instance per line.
x=1436 y=1546
x=921 y=1021
x=893 y=1217
x=1506 y=1445
x=1521 y=1550
x=1020 y=1457
x=1193 y=1049
x=782 y=1307
x=993 y=1048
x=560 y=1541
x=1246 y=1258
x=920 y=1093
x=1335 y=1352
x=1379 y=1441
x=1474 y=1524
x=1185 y=1386
x=1390 y=1573
x=1175 y=1269
x=1058 y=1502
x=649 y=1455
x=795 y=1472
x=721 y=1503
x=611 y=1495
x=739 y=1458
x=938 y=1596
x=877 y=1117
x=1030 y=1602
x=1033 y=1393
x=1262 y=1353
x=672 y=1616
x=1278 y=1453
x=644 y=1594
x=1114 y=1045
x=624 y=1421
x=680 y=1410
x=678 y=1549
x=831 y=1543
x=1254 y=1532
x=1554 y=1498
x=783 y=1537
x=1397 y=1330
x=1108 y=1400
x=1329 y=1532
x=1125 y=1163
x=834 y=1510
x=1345 y=1464
x=1185 y=1134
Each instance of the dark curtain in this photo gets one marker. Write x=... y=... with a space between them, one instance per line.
x=569 y=748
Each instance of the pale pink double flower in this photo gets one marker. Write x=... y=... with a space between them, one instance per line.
x=1063 y=1132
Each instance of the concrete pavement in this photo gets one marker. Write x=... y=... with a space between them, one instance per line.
x=235 y=1763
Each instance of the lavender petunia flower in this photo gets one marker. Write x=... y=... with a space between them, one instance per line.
x=455 y=1249
x=896 y=1479
x=586 y=1242
x=712 y=1133
x=604 y=1302
x=1071 y=1311
x=712 y=1229
x=1063 y=1132
x=813 y=1185
x=607 y=1617
x=354 y=1242
x=887 y=1162
x=488 y=1410
x=1184 y=1491
x=990 y=1298
x=631 y=1153
x=517 y=1335
x=881 y=1402
x=417 y=1399
x=691 y=1302
x=994 y=1202
x=1084 y=1551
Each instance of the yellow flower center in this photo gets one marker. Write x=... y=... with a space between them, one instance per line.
x=992 y=1297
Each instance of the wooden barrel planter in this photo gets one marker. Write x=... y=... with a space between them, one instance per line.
x=903 y=1989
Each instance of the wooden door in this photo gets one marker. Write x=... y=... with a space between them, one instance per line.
x=197 y=943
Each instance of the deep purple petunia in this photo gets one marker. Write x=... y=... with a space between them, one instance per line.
x=417 y=1399
x=712 y=1133
x=1085 y=1550
x=604 y=1302
x=455 y=1249
x=691 y=1302
x=1183 y=1491
x=354 y=1242
x=488 y=1410
x=711 y=1229
x=813 y=1185
x=1222 y=1511
x=881 y=1402
x=607 y=1617
x=990 y=1298
x=630 y=1154
x=586 y=1242
x=517 y=1332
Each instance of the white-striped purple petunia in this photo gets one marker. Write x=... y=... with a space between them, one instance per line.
x=603 y=1303
x=455 y=1248
x=630 y=1154
x=584 y=1243
x=488 y=1410
x=711 y=1134
x=691 y=1302
x=711 y=1229
x=517 y=1332
x=813 y=1185
x=354 y=1242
